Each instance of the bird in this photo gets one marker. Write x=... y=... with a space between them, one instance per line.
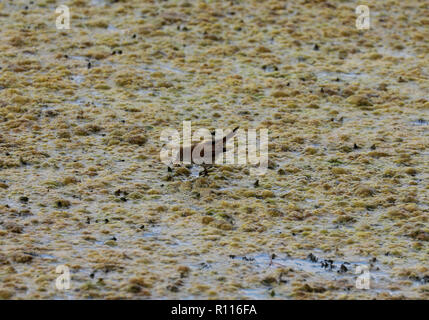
x=215 y=146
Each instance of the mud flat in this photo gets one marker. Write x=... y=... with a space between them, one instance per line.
x=82 y=185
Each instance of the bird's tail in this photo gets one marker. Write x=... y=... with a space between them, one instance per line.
x=230 y=135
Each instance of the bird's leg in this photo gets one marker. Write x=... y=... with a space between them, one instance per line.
x=205 y=171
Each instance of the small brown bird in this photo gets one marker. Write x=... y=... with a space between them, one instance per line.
x=215 y=146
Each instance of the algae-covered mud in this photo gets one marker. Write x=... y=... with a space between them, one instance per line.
x=341 y=212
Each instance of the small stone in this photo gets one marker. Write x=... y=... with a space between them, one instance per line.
x=343 y=269
x=312 y=257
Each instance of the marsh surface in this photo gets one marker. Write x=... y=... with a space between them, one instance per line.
x=81 y=183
